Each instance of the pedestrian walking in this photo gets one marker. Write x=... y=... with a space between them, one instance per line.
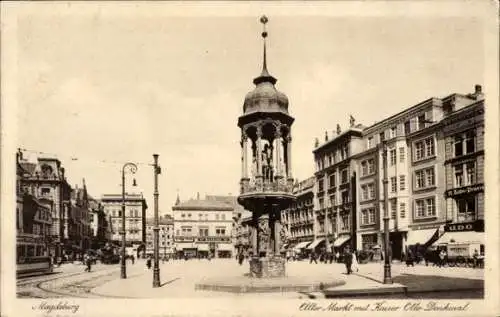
x=475 y=257
x=410 y=259
x=133 y=259
x=88 y=262
x=337 y=256
x=313 y=258
x=348 y=260
x=241 y=257
x=442 y=256
x=148 y=262
x=355 y=265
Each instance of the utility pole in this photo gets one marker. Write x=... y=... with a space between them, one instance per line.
x=156 y=268
x=387 y=262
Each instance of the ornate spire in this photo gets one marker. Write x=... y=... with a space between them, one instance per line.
x=264 y=76
x=178 y=200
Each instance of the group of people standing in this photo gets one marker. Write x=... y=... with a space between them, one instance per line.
x=348 y=257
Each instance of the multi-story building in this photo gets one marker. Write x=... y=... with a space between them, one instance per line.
x=298 y=220
x=335 y=190
x=203 y=227
x=414 y=141
x=99 y=225
x=45 y=181
x=165 y=236
x=79 y=223
x=243 y=231
x=135 y=219
x=33 y=219
x=463 y=133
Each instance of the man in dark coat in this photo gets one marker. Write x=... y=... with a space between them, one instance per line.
x=348 y=259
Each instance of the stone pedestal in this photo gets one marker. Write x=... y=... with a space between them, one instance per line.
x=267 y=267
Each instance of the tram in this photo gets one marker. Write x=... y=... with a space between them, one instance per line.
x=26 y=266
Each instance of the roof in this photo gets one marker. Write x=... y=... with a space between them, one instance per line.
x=161 y=221
x=28 y=167
x=204 y=204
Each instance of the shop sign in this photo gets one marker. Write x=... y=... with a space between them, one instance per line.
x=465 y=226
x=465 y=190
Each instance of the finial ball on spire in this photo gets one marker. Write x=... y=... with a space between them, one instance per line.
x=264 y=19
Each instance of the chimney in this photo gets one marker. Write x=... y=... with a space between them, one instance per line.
x=62 y=172
x=478 y=89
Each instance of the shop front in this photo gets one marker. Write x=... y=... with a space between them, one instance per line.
x=341 y=242
x=203 y=250
x=466 y=237
x=224 y=250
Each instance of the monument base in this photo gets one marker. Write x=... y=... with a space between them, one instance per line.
x=265 y=267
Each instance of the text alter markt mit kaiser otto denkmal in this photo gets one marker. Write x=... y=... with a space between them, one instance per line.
x=382 y=306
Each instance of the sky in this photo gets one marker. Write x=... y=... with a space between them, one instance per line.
x=103 y=87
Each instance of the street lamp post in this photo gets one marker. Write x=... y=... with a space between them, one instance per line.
x=132 y=168
x=156 y=268
x=387 y=261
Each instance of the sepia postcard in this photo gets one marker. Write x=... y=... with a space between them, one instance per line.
x=228 y=158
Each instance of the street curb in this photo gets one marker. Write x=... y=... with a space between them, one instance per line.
x=249 y=288
x=394 y=289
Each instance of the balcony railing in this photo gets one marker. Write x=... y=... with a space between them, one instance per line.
x=279 y=185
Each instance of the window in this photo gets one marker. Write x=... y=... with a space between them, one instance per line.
x=392 y=156
x=183 y=215
x=466 y=209
x=203 y=232
x=371 y=166
x=364 y=168
x=382 y=136
x=344 y=176
x=394 y=184
x=425 y=178
x=136 y=213
x=469 y=142
x=430 y=207
x=401 y=154
x=345 y=225
x=187 y=231
x=345 y=197
x=458 y=145
x=370 y=142
x=429 y=147
x=320 y=185
x=364 y=192
x=430 y=177
x=131 y=213
x=402 y=210
x=402 y=182
x=424 y=149
x=119 y=213
x=421 y=121
x=371 y=191
x=392 y=132
x=471 y=173
x=407 y=127
x=216 y=216
x=333 y=200
x=393 y=209
x=368 y=216
x=420 y=208
x=331 y=180
x=425 y=207
x=371 y=215
x=220 y=231
x=114 y=213
x=459 y=176
x=45 y=191
x=223 y=217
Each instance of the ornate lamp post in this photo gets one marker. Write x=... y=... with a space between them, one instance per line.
x=132 y=168
x=156 y=268
x=387 y=262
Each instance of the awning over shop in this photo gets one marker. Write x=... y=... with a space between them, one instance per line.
x=315 y=243
x=461 y=237
x=341 y=240
x=302 y=245
x=420 y=236
x=203 y=247
x=224 y=247
x=189 y=245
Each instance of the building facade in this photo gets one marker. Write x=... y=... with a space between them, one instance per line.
x=335 y=203
x=298 y=220
x=44 y=180
x=203 y=227
x=165 y=236
x=435 y=180
x=135 y=219
x=99 y=225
